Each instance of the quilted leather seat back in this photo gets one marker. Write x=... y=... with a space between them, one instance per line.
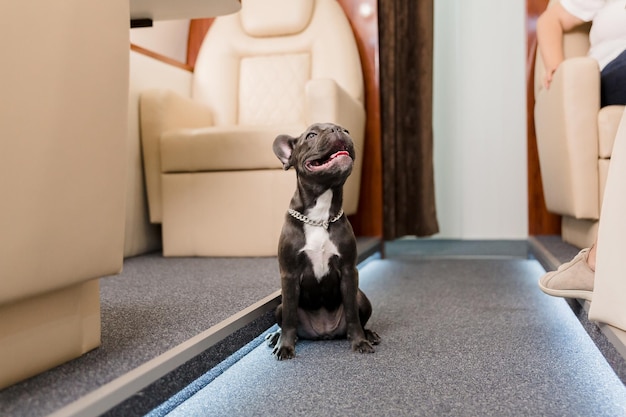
x=260 y=101
x=252 y=73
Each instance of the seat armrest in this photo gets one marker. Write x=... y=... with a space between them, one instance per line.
x=566 y=124
x=160 y=111
x=609 y=119
x=326 y=101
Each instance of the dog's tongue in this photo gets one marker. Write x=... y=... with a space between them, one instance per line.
x=319 y=164
x=338 y=154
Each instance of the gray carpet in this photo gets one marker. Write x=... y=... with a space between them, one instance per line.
x=454 y=322
x=559 y=249
x=154 y=305
x=459 y=338
x=412 y=248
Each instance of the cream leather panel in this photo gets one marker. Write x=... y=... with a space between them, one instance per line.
x=579 y=232
x=163 y=110
x=47 y=330
x=210 y=213
x=142 y=236
x=260 y=17
x=261 y=103
x=603 y=171
x=63 y=114
x=222 y=149
x=608 y=122
x=569 y=151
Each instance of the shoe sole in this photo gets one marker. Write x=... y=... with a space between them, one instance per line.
x=582 y=294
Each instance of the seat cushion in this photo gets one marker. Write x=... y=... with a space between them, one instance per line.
x=608 y=121
x=222 y=148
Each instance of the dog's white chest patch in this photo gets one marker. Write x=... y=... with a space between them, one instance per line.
x=318 y=246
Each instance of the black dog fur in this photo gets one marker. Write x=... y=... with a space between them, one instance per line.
x=317 y=252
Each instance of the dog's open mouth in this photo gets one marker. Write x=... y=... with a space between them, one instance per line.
x=326 y=161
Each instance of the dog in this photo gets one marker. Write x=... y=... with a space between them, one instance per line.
x=317 y=253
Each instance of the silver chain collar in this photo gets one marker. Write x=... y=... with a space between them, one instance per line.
x=317 y=223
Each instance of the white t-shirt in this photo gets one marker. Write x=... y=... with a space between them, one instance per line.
x=607 y=37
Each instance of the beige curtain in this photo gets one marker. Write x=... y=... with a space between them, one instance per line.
x=406 y=62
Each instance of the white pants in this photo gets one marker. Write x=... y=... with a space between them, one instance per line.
x=609 y=292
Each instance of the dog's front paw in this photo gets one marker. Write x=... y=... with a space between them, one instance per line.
x=284 y=352
x=362 y=346
x=372 y=337
x=284 y=344
x=272 y=338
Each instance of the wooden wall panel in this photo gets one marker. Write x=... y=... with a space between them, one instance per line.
x=540 y=221
x=197 y=29
x=363 y=16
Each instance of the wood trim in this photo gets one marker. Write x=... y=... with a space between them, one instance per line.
x=197 y=30
x=160 y=57
x=368 y=221
x=540 y=221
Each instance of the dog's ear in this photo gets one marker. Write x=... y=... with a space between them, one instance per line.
x=283 y=148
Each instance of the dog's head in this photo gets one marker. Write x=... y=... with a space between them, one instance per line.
x=324 y=152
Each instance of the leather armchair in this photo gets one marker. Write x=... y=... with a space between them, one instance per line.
x=63 y=112
x=211 y=176
x=574 y=139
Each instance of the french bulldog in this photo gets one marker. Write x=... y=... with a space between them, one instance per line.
x=317 y=252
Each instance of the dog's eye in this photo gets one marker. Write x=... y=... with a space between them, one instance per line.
x=346 y=131
x=311 y=135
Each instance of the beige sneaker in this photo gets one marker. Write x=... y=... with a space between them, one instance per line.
x=573 y=279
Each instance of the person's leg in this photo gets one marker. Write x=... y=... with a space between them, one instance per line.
x=609 y=297
x=591 y=259
x=613 y=82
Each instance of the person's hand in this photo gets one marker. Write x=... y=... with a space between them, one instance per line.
x=547 y=77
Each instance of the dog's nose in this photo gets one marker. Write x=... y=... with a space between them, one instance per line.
x=337 y=129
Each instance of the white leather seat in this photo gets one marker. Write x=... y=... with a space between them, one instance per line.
x=212 y=178
x=63 y=112
x=574 y=139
